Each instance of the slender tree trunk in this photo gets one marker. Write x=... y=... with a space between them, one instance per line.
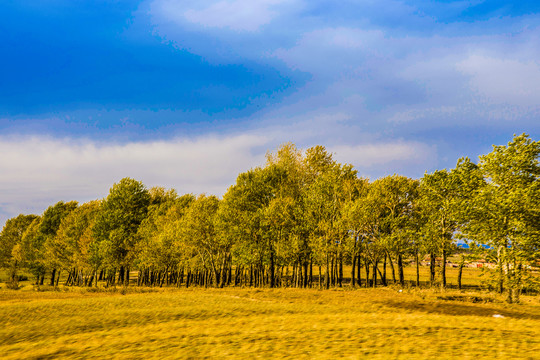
x=310 y=271
x=519 y=268
x=353 y=271
x=332 y=272
x=432 y=268
x=53 y=273
x=121 y=275
x=181 y=276
x=366 y=265
x=400 y=270
x=417 y=268
x=383 y=275
x=340 y=275
x=306 y=277
x=460 y=272
x=509 y=281
x=500 y=270
x=164 y=277
x=358 y=267
x=223 y=275
x=272 y=270
x=392 y=268
x=13 y=280
x=383 y=279
x=443 y=270
x=327 y=274
x=230 y=270
x=375 y=274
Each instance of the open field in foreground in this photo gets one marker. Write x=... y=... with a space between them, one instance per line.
x=251 y=323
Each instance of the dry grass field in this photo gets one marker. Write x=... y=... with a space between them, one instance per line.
x=383 y=323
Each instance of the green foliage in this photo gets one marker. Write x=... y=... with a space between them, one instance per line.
x=505 y=212
x=10 y=246
x=301 y=210
x=118 y=220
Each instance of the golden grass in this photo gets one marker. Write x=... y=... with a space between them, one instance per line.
x=254 y=323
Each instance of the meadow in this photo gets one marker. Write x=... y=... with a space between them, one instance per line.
x=246 y=323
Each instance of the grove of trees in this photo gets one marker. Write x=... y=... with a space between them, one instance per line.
x=297 y=221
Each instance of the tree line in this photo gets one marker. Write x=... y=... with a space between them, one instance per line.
x=295 y=222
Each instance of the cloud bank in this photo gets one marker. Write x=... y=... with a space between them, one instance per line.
x=39 y=171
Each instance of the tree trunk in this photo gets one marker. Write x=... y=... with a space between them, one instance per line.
x=358 y=277
x=432 y=268
x=310 y=271
x=366 y=265
x=500 y=270
x=353 y=271
x=392 y=268
x=383 y=275
x=306 y=275
x=272 y=270
x=223 y=275
x=320 y=277
x=121 y=275
x=375 y=274
x=400 y=270
x=340 y=275
x=443 y=270
x=327 y=274
x=417 y=268
x=332 y=272
x=53 y=273
x=460 y=273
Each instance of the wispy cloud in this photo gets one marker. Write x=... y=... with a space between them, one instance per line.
x=388 y=157
x=237 y=15
x=503 y=80
x=38 y=171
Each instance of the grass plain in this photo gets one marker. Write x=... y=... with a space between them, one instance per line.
x=198 y=323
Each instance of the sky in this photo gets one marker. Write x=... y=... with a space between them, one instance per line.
x=187 y=94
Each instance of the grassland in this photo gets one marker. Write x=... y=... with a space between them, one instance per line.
x=264 y=323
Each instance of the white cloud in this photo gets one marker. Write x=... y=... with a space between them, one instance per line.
x=503 y=80
x=37 y=171
x=383 y=154
x=238 y=15
x=330 y=50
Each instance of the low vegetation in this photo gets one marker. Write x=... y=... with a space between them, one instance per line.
x=382 y=323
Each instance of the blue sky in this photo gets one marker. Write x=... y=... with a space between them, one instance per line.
x=187 y=94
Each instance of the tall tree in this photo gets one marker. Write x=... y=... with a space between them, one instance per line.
x=118 y=222
x=39 y=234
x=506 y=211
x=73 y=247
x=10 y=242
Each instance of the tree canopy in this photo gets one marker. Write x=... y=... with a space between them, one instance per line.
x=300 y=214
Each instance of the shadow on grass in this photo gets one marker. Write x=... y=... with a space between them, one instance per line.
x=452 y=307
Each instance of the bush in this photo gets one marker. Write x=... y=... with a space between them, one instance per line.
x=13 y=285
